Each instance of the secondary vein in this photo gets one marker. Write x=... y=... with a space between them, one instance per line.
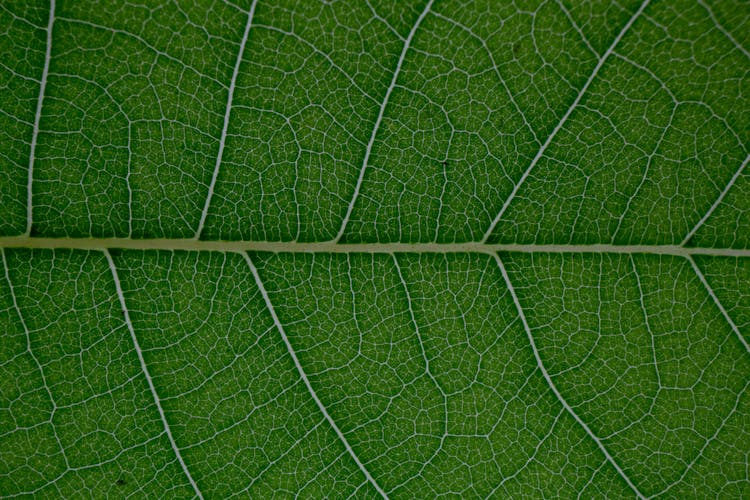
x=718 y=201
x=149 y=380
x=718 y=303
x=225 y=127
x=562 y=121
x=375 y=127
x=303 y=375
x=552 y=385
x=37 y=118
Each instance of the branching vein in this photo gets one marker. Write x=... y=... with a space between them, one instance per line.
x=37 y=118
x=718 y=303
x=717 y=202
x=724 y=30
x=303 y=375
x=562 y=121
x=375 y=127
x=551 y=384
x=31 y=353
x=157 y=401
x=225 y=127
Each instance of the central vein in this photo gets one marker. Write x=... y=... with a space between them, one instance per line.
x=330 y=247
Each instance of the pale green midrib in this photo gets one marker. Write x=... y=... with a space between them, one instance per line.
x=330 y=247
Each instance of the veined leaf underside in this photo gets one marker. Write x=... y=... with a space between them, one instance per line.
x=378 y=249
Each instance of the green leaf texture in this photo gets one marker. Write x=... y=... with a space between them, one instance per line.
x=375 y=249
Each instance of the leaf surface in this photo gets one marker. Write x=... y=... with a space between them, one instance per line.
x=403 y=249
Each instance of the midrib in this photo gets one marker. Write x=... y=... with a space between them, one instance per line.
x=331 y=247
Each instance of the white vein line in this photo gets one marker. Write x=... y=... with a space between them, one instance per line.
x=724 y=31
x=551 y=384
x=303 y=375
x=225 y=127
x=426 y=360
x=718 y=201
x=34 y=358
x=718 y=303
x=419 y=335
x=136 y=344
x=37 y=118
x=709 y=440
x=494 y=67
x=375 y=127
x=329 y=247
x=651 y=335
x=562 y=121
x=577 y=28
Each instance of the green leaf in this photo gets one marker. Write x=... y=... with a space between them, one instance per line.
x=397 y=249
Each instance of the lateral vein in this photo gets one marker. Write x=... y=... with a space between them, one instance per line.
x=225 y=126
x=149 y=380
x=552 y=385
x=718 y=302
x=37 y=119
x=718 y=201
x=303 y=375
x=562 y=121
x=375 y=127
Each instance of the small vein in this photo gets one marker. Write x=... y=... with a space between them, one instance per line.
x=303 y=375
x=225 y=126
x=552 y=385
x=379 y=119
x=37 y=118
x=717 y=302
x=142 y=41
x=641 y=299
x=562 y=121
x=328 y=59
x=39 y=367
x=723 y=30
x=383 y=20
x=426 y=360
x=646 y=171
x=708 y=441
x=531 y=458
x=577 y=28
x=136 y=344
x=495 y=68
x=717 y=202
x=278 y=459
